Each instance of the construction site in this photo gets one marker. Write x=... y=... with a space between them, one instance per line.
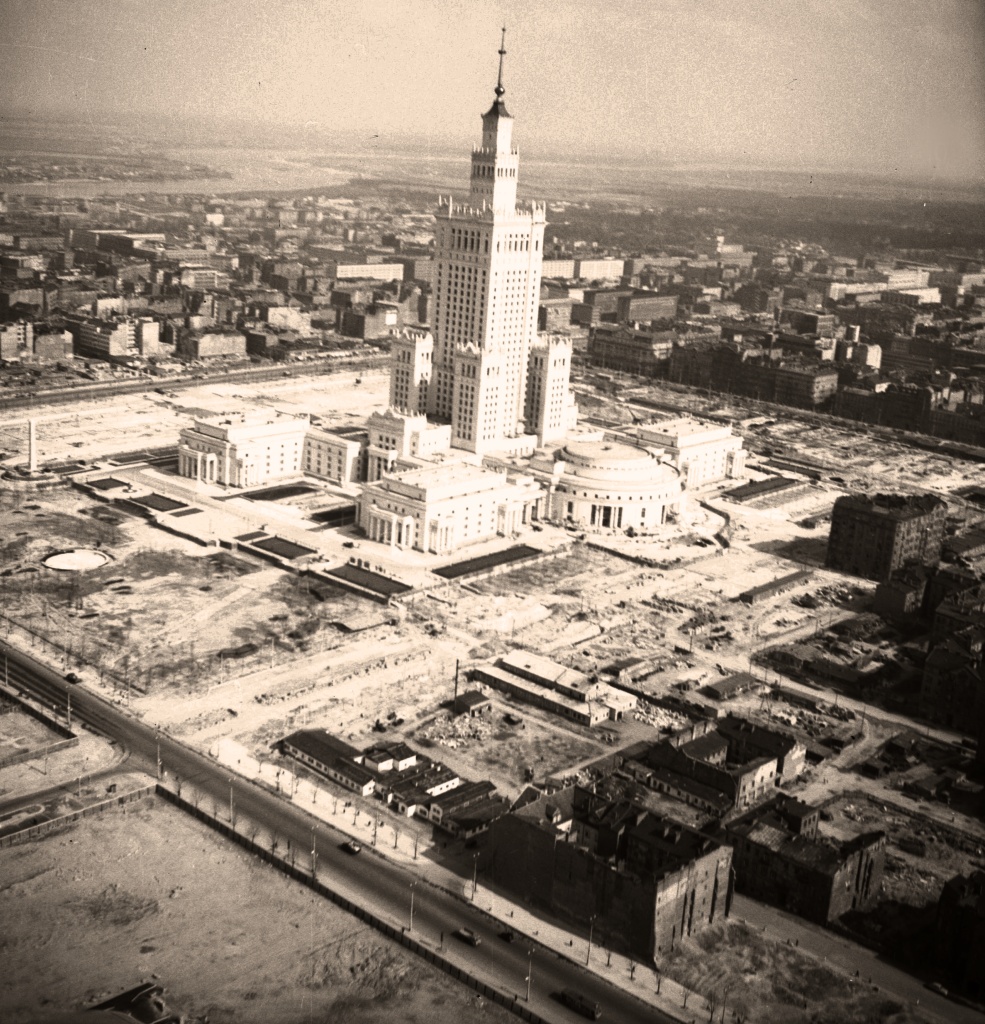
x=215 y=644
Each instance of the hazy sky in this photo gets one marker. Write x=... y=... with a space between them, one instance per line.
x=888 y=85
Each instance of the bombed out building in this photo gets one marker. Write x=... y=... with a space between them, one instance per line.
x=781 y=858
x=642 y=881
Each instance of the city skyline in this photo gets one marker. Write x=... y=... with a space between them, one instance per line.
x=833 y=86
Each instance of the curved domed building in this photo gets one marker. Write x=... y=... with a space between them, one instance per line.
x=612 y=486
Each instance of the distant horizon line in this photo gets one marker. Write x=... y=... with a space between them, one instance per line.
x=451 y=142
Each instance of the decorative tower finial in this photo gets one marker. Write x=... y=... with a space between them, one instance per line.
x=502 y=53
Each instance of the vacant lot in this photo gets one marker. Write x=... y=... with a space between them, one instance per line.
x=764 y=980
x=162 y=612
x=231 y=940
x=487 y=747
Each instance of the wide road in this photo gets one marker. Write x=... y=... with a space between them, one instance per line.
x=85 y=392
x=369 y=880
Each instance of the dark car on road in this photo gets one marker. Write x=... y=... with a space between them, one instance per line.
x=580 y=1004
x=351 y=846
x=71 y=677
x=508 y=936
x=469 y=936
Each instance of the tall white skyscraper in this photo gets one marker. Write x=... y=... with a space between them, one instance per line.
x=488 y=254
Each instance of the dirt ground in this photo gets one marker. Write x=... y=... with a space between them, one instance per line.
x=179 y=905
x=19 y=732
x=753 y=972
x=151 y=613
x=487 y=747
x=100 y=428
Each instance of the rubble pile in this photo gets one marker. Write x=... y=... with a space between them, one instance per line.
x=273 y=697
x=659 y=718
x=456 y=731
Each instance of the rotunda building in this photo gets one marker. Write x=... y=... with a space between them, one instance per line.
x=613 y=486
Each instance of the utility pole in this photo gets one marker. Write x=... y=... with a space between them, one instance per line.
x=158 y=754
x=68 y=709
x=591 y=928
x=530 y=971
x=456 y=682
x=412 y=884
x=232 y=819
x=475 y=874
x=314 y=853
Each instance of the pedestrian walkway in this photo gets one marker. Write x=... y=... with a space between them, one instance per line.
x=365 y=821
x=397 y=839
x=400 y=841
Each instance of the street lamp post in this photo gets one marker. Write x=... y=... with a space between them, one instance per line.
x=475 y=874
x=412 y=885
x=314 y=853
x=232 y=818
x=530 y=971
x=591 y=929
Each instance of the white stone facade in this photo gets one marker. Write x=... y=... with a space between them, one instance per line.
x=412 y=355
x=398 y=440
x=243 y=451
x=704 y=452
x=439 y=509
x=610 y=486
x=333 y=457
x=550 y=411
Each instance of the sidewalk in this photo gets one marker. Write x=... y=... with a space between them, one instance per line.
x=403 y=846
x=398 y=839
x=355 y=817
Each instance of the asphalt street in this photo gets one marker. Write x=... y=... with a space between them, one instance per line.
x=369 y=880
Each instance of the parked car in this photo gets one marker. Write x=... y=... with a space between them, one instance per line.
x=71 y=677
x=469 y=936
x=508 y=936
x=351 y=846
x=936 y=986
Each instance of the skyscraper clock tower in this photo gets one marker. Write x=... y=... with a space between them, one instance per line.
x=488 y=254
x=482 y=368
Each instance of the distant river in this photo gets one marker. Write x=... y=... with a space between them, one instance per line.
x=269 y=170
x=252 y=171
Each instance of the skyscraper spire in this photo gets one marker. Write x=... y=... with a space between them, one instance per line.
x=498 y=108
x=502 y=53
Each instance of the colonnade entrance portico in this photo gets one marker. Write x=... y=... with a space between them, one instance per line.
x=441 y=536
x=198 y=465
x=389 y=528
x=207 y=467
x=607 y=516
